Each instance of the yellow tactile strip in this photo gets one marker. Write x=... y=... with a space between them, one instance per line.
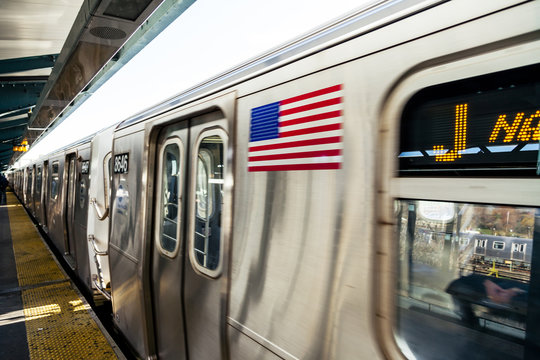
x=58 y=325
x=32 y=258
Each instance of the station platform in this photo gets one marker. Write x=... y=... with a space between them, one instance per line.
x=42 y=314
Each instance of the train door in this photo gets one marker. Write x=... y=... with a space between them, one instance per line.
x=188 y=239
x=480 y=246
x=69 y=212
x=518 y=251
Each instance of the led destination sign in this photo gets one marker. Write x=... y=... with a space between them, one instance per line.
x=489 y=122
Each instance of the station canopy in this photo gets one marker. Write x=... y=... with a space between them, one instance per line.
x=54 y=54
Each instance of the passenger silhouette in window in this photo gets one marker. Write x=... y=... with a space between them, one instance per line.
x=501 y=296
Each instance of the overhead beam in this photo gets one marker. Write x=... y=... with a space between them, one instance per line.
x=14 y=123
x=106 y=32
x=6 y=148
x=27 y=63
x=17 y=112
x=12 y=133
x=101 y=28
x=17 y=95
x=5 y=156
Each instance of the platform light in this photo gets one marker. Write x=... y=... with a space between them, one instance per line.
x=23 y=147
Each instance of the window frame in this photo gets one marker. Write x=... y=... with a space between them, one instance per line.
x=481 y=243
x=55 y=195
x=159 y=199
x=519 y=247
x=39 y=178
x=391 y=187
x=107 y=178
x=30 y=181
x=200 y=269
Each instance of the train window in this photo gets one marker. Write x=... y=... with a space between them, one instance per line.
x=38 y=179
x=54 y=181
x=460 y=297
x=208 y=204
x=169 y=190
x=107 y=163
x=82 y=193
x=204 y=193
x=472 y=126
x=480 y=243
x=29 y=181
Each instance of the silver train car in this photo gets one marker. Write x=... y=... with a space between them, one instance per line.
x=274 y=211
x=503 y=248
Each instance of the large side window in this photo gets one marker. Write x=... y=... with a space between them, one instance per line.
x=54 y=180
x=29 y=184
x=38 y=179
x=467 y=281
x=459 y=279
x=169 y=195
x=207 y=237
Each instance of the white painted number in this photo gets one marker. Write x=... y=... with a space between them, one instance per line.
x=121 y=163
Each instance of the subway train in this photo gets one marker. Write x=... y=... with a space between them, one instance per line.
x=269 y=212
x=504 y=248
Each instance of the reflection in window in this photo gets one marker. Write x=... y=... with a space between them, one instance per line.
x=203 y=192
x=463 y=280
x=82 y=193
x=29 y=181
x=38 y=179
x=54 y=180
x=170 y=171
x=107 y=163
x=208 y=202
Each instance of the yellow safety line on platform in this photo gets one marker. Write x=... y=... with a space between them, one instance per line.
x=58 y=325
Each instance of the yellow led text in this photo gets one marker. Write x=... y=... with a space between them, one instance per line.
x=460 y=137
x=527 y=133
x=510 y=129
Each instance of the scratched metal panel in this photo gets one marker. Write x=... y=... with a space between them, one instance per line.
x=99 y=190
x=291 y=253
x=126 y=239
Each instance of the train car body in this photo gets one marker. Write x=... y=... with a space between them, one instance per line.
x=55 y=192
x=75 y=209
x=98 y=214
x=296 y=245
x=301 y=206
x=503 y=248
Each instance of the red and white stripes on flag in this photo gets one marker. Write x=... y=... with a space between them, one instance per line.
x=304 y=132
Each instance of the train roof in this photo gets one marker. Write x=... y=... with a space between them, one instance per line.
x=355 y=24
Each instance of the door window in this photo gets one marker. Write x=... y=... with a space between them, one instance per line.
x=54 y=180
x=169 y=195
x=29 y=184
x=38 y=179
x=209 y=170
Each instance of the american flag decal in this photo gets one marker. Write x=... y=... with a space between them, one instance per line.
x=299 y=133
